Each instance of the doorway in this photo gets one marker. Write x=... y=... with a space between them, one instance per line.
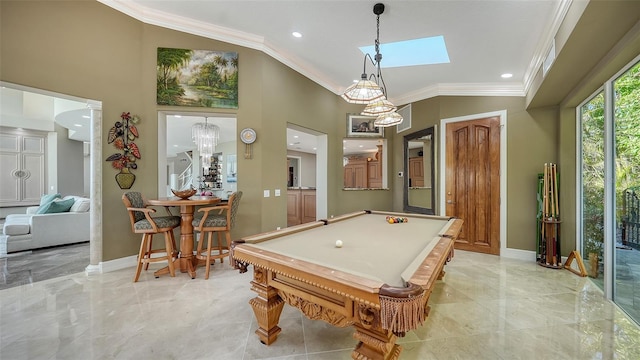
x=83 y=118
x=473 y=157
x=309 y=149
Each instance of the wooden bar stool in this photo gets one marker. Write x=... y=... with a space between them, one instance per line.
x=143 y=223
x=216 y=219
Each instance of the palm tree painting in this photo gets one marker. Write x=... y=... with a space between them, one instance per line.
x=197 y=78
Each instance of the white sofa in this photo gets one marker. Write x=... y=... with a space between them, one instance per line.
x=32 y=231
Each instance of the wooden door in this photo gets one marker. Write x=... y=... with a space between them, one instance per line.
x=472 y=189
x=416 y=172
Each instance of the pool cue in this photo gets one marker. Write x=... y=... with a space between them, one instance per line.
x=555 y=190
x=546 y=213
x=556 y=211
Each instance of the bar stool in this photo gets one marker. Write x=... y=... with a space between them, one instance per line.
x=143 y=223
x=218 y=222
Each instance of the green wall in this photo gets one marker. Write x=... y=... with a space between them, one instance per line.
x=86 y=49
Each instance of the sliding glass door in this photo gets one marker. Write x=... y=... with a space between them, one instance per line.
x=593 y=176
x=609 y=134
x=626 y=125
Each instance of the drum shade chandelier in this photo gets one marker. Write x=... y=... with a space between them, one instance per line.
x=206 y=137
x=371 y=89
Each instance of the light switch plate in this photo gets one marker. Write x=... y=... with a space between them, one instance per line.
x=267 y=193
x=276 y=192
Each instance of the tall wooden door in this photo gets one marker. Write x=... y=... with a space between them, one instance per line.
x=472 y=189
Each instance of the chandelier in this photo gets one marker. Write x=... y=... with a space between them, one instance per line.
x=371 y=89
x=205 y=136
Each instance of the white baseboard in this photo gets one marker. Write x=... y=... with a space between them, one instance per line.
x=525 y=255
x=118 y=264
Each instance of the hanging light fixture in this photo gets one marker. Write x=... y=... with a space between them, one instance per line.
x=206 y=137
x=371 y=89
x=389 y=119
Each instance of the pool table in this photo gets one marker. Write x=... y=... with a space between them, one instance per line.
x=378 y=281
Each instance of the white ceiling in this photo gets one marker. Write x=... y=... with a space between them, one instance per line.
x=484 y=38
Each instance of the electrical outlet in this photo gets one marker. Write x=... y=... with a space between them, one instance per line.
x=267 y=193
x=276 y=192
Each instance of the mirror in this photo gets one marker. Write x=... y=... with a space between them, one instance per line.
x=365 y=164
x=419 y=184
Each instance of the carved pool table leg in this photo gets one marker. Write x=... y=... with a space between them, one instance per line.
x=375 y=345
x=267 y=307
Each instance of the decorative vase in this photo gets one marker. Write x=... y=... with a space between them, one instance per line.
x=125 y=178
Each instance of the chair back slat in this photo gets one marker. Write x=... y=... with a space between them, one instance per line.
x=235 y=203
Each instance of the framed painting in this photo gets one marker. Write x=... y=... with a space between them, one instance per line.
x=200 y=78
x=362 y=126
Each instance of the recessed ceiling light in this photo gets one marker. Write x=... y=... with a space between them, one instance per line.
x=78 y=125
x=86 y=116
x=178 y=116
x=506 y=76
x=295 y=136
x=296 y=34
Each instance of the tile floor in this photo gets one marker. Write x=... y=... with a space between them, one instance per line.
x=37 y=265
x=486 y=308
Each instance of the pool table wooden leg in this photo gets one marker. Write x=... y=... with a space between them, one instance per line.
x=267 y=307
x=375 y=344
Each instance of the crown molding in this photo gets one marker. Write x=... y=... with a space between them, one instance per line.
x=210 y=31
x=461 y=89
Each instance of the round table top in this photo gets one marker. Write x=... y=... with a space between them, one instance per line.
x=176 y=201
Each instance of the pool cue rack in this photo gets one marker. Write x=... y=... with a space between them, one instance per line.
x=548 y=249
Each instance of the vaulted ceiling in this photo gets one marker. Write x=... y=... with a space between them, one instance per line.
x=484 y=38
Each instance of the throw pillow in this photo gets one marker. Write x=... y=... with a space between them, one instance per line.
x=56 y=206
x=45 y=199
x=80 y=205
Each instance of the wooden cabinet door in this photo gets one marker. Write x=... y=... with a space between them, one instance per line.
x=308 y=205
x=293 y=208
x=416 y=171
x=375 y=174
x=355 y=174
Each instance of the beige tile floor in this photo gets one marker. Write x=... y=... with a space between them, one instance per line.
x=486 y=308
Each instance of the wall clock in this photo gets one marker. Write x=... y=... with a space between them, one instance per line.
x=248 y=137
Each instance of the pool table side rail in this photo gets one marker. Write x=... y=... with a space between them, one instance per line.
x=356 y=288
x=388 y=213
x=258 y=238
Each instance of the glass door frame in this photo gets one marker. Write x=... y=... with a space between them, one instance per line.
x=609 y=253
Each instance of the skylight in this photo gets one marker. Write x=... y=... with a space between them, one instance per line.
x=425 y=51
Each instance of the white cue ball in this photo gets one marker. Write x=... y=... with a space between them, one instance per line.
x=339 y=243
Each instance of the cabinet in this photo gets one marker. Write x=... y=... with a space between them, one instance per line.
x=22 y=169
x=374 y=173
x=301 y=206
x=213 y=176
x=356 y=173
x=416 y=172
